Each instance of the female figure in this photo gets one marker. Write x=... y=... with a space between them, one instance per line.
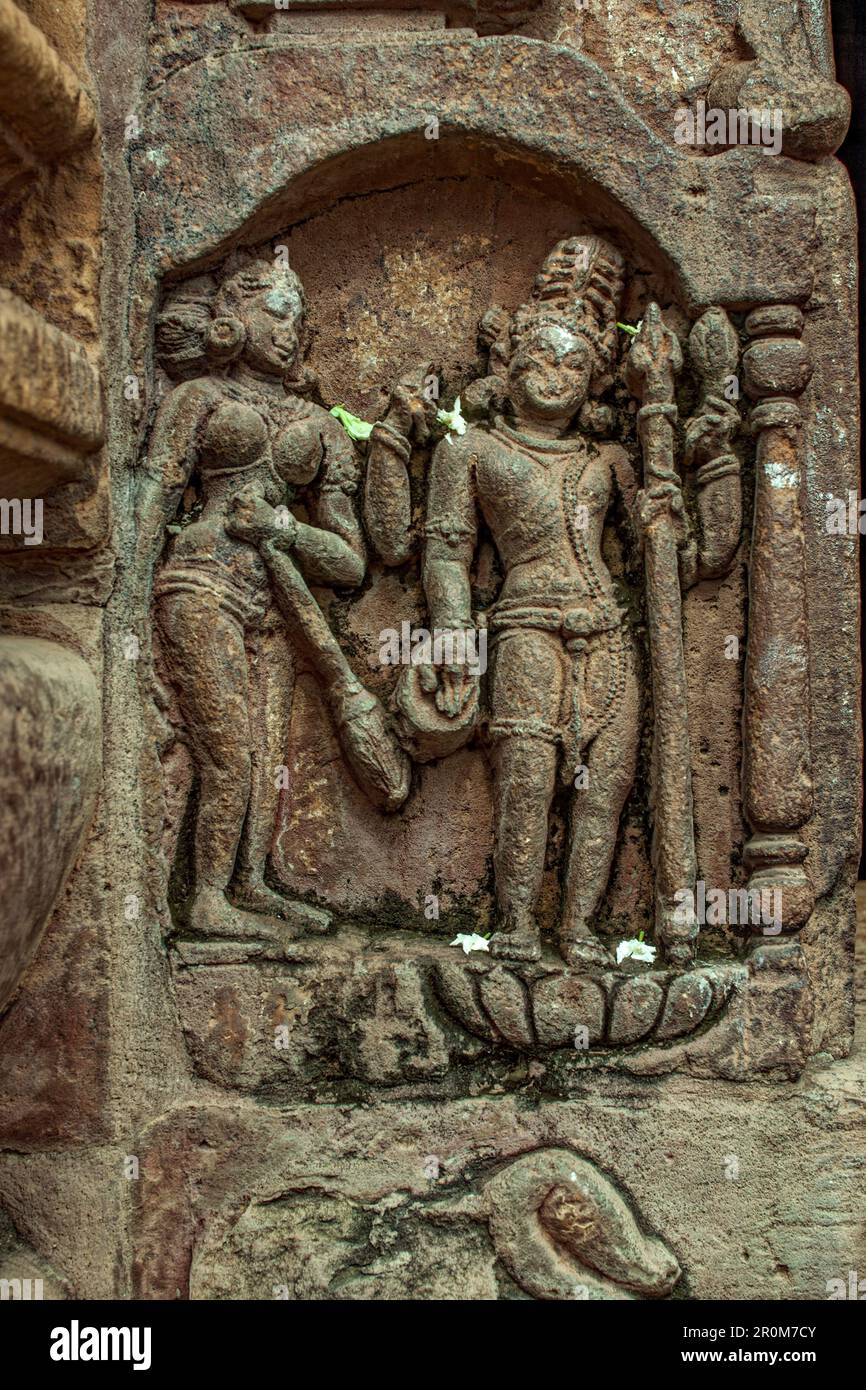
x=252 y=439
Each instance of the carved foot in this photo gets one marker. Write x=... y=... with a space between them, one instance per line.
x=213 y=915
x=516 y=945
x=254 y=895
x=308 y=921
x=584 y=952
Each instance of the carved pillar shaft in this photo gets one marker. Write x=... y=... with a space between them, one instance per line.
x=777 y=778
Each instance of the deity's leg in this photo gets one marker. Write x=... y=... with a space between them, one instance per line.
x=206 y=655
x=594 y=824
x=527 y=687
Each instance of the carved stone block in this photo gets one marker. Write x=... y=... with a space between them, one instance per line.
x=466 y=664
x=51 y=409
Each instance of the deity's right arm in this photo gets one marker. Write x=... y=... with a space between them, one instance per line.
x=451 y=531
x=387 y=495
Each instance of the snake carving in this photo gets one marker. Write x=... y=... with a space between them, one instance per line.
x=563 y=1230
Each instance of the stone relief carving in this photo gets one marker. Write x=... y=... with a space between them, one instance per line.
x=411 y=1016
x=236 y=570
x=562 y=1229
x=790 y=71
x=238 y=442
x=547 y=1223
x=206 y=763
x=564 y=696
x=494 y=16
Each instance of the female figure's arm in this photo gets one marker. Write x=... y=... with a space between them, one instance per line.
x=166 y=470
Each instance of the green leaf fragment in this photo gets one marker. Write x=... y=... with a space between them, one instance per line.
x=355 y=427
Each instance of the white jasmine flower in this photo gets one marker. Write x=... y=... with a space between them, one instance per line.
x=636 y=949
x=452 y=419
x=471 y=942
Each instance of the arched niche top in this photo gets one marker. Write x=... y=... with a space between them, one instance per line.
x=243 y=143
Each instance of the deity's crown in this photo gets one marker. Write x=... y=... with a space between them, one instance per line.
x=579 y=286
x=245 y=274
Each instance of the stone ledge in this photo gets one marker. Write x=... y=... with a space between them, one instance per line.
x=51 y=405
x=331 y=1018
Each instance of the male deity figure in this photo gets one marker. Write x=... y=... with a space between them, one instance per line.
x=564 y=696
x=240 y=425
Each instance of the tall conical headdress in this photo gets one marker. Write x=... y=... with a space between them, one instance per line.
x=580 y=283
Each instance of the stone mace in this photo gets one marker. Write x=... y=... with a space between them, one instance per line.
x=380 y=765
x=654 y=361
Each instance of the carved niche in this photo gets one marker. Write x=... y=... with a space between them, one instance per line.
x=553 y=517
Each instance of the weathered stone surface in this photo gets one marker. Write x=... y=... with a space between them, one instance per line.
x=51 y=410
x=349 y=1015
x=716 y=259
x=470 y=1178
x=377 y=973
x=563 y=1004
x=51 y=775
x=26 y=1276
x=686 y=1006
x=636 y=1005
x=45 y=112
x=505 y=999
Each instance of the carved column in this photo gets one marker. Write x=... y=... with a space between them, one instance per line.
x=777 y=776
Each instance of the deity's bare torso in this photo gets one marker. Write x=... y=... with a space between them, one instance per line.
x=545 y=503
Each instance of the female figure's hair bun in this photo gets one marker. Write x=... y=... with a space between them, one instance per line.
x=182 y=328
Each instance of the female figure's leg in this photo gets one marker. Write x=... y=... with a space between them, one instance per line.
x=205 y=651
x=272 y=667
x=272 y=684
